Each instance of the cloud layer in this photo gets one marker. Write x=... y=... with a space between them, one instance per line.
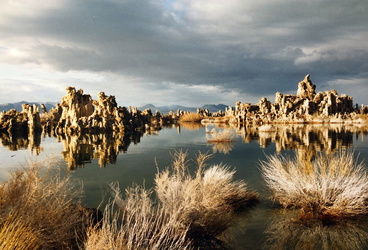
x=182 y=51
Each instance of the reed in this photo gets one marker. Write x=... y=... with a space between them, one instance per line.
x=37 y=209
x=330 y=187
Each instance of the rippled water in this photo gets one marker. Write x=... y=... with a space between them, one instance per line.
x=100 y=160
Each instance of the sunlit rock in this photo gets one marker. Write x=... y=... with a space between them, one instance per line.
x=306 y=106
x=306 y=89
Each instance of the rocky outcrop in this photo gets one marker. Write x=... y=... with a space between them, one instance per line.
x=28 y=120
x=78 y=113
x=33 y=118
x=306 y=89
x=306 y=106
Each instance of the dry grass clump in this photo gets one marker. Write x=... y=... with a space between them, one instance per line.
x=136 y=223
x=205 y=201
x=220 y=141
x=16 y=234
x=221 y=136
x=191 y=212
x=37 y=211
x=330 y=187
x=191 y=117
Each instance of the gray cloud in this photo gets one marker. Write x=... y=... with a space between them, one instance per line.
x=251 y=47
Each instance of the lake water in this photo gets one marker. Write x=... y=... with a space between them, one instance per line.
x=100 y=160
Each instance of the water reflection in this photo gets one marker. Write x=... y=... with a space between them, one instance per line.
x=307 y=139
x=291 y=233
x=222 y=147
x=16 y=142
x=218 y=145
x=191 y=125
x=79 y=150
x=282 y=233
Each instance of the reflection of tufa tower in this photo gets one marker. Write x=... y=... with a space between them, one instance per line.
x=307 y=140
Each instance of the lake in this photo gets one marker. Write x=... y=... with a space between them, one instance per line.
x=98 y=160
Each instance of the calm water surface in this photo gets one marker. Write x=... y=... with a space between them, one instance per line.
x=100 y=160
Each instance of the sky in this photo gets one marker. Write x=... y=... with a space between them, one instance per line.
x=185 y=52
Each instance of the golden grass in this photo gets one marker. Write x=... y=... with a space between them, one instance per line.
x=206 y=201
x=36 y=211
x=40 y=210
x=16 y=234
x=191 y=117
x=332 y=186
x=135 y=222
x=191 y=212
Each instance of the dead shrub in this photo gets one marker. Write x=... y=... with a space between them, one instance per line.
x=332 y=186
x=37 y=208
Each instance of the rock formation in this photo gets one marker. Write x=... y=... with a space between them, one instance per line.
x=306 y=106
x=78 y=113
x=28 y=120
x=306 y=89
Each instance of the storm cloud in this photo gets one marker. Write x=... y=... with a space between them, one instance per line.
x=182 y=51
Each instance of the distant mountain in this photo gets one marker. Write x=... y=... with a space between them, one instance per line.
x=215 y=107
x=166 y=109
x=18 y=105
